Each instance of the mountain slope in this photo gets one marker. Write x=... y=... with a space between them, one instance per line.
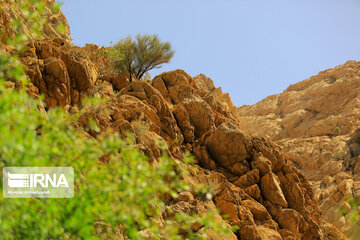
x=313 y=121
x=259 y=190
x=257 y=186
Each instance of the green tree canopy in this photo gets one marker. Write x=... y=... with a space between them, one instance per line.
x=136 y=57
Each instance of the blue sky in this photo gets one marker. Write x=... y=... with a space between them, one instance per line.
x=250 y=48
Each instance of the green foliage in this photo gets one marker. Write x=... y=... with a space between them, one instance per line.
x=351 y=210
x=111 y=201
x=340 y=155
x=10 y=68
x=30 y=21
x=122 y=195
x=141 y=127
x=136 y=57
x=337 y=131
x=206 y=190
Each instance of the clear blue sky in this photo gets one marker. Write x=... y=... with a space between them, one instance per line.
x=250 y=48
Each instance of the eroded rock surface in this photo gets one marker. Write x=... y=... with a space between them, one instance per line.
x=9 y=13
x=258 y=187
x=59 y=71
x=315 y=123
x=260 y=190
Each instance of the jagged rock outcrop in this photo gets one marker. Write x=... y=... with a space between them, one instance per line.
x=9 y=13
x=326 y=104
x=63 y=73
x=314 y=122
x=264 y=175
x=220 y=102
x=259 y=189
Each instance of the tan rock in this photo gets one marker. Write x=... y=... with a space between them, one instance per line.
x=57 y=82
x=227 y=145
x=315 y=122
x=118 y=82
x=262 y=164
x=254 y=192
x=250 y=178
x=289 y=219
x=204 y=84
x=151 y=97
x=200 y=113
x=186 y=196
x=183 y=120
x=9 y=13
x=58 y=71
x=268 y=234
x=258 y=211
x=271 y=190
x=325 y=104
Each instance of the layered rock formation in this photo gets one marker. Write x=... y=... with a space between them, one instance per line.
x=313 y=122
x=258 y=188
x=63 y=73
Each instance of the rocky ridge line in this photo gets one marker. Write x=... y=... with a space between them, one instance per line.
x=315 y=122
x=259 y=188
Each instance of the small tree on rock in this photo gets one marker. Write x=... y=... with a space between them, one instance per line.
x=136 y=57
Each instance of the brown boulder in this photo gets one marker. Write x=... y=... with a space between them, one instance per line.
x=118 y=82
x=57 y=82
x=228 y=146
x=250 y=178
x=59 y=71
x=204 y=84
x=183 y=120
x=177 y=87
x=199 y=111
x=271 y=190
x=153 y=99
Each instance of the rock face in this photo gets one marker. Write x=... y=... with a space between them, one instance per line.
x=9 y=13
x=315 y=122
x=260 y=190
x=268 y=195
x=326 y=104
x=258 y=187
x=60 y=71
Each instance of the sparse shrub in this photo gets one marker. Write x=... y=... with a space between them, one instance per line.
x=206 y=190
x=114 y=201
x=340 y=155
x=121 y=195
x=141 y=127
x=96 y=89
x=31 y=17
x=337 y=131
x=136 y=57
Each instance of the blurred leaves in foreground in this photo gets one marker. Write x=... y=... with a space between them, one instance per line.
x=119 y=200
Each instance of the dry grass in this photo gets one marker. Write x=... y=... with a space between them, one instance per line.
x=205 y=190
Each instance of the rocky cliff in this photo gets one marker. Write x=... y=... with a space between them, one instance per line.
x=315 y=123
x=260 y=189
x=10 y=12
